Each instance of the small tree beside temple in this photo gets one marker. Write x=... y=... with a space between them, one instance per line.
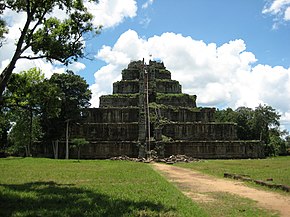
x=78 y=143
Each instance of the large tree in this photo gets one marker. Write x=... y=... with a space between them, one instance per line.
x=75 y=97
x=50 y=97
x=48 y=37
x=21 y=98
x=265 y=118
x=244 y=119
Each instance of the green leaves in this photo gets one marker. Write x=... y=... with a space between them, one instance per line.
x=47 y=36
x=261 y=123
x=73 y=96
x=3 y=31
x=79 y=142
x=39 y=107
x=61 y=40
x=22 y=90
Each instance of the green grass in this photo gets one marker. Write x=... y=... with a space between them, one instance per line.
x=230 y=205
x=227 y=205
x=46 y=187
x=277 y=168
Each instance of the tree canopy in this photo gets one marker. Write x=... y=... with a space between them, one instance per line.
x=44 y=34
x=21 y=98
x=38 y=109
x=261 y=123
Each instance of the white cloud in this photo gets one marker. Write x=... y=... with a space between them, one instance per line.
x=276 y=7
x=110 y=13
x=287 y=14
x=280 y=9
x=76 y=66
x=147 y=3
x=221 y=76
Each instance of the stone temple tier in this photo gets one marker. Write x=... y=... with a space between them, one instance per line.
x=148 y=111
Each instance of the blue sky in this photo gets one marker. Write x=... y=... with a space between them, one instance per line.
x=229 y=53
x=212 y=22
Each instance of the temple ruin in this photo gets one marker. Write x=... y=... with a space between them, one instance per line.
x=148 y=113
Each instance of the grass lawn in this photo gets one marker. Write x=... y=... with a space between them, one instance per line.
x=277 y=168
x=46 y=187
x=230 y=205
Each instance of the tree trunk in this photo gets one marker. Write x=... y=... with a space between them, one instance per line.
x=79 y=153
x=4 y=78
x=66 y=141
x=55 y=149
x=30 y=132
x=6 y=73
x=26 y=151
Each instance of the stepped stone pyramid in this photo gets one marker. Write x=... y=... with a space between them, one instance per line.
x=148 y=111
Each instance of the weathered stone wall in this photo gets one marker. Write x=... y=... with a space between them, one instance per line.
x=163 y=74
x=108 y=131
x=200 y=131
x=112 y=115
x=167 y=86
x=130 y=74
x=216 y=149
x=130 y=114
x=181 y=114
x=119 y=100
x=197 y=149
x=107 y=149
x=93 y=150
x=126 y=87
x=183 y=100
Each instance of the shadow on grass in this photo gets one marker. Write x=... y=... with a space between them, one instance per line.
x=52 y=199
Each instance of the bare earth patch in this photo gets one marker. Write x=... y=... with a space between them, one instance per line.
x=195 y=185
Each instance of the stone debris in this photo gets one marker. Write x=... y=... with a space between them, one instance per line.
x=169 y=160
x=124 y=157
x=178 y=159
x=259 y=182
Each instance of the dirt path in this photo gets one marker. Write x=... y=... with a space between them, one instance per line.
x=196 y=184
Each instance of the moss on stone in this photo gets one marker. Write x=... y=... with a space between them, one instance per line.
x=170 y=95
x=133 y=95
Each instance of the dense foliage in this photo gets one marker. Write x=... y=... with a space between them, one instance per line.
x=37 y=109
x=261 y=123
x=46 y=35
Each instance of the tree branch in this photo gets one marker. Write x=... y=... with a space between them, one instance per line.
x=43 y=57
x=28 y=8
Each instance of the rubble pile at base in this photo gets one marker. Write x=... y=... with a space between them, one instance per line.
x=178 y=159
x=170 y=160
